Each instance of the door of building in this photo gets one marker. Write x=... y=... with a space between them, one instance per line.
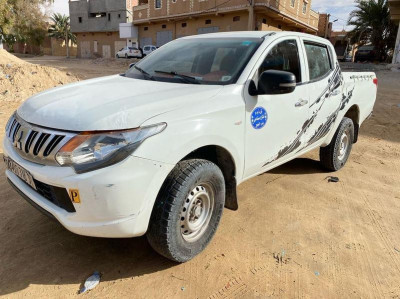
x=85 y=49
x=163 y=37
x=144 y=41
x=106 y=51
x=119 y=45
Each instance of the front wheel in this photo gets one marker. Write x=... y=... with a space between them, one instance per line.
x=335 y=155
x=187 y=210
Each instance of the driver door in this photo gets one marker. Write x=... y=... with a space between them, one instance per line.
x=274 y=123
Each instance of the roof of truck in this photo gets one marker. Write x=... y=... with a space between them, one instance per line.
x=252 y=34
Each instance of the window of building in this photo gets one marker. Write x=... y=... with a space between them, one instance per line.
x=146 y=28
x=158 y=3
x=304 y=7
x=164 y=26
x=109 y=17
x=279 y=26
x=292 y=3
x=319 y=62
x=283 y=57
x=264 y=21
x=208 y=21
x=80 y=19
x=184 y=25
x=95 y=46
x=98 y=15
x=236 y=19
x=119 y=16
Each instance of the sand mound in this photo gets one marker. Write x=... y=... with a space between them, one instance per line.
x=19 y=79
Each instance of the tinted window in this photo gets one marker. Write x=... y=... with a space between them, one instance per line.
x=206 y=60
x=283 y=57
x=319 y=62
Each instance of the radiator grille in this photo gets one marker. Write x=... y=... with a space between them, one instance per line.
x=33 y=143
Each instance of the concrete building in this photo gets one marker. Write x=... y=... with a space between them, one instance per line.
x=160 y=21
x=324 y=26
x=96 y=25
x=395 y=15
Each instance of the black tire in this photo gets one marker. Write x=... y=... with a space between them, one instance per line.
x=166 y=233
x=126 y=56
x=116 y=56
x=333 y=157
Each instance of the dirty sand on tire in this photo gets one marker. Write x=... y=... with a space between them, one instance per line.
x=294 y=236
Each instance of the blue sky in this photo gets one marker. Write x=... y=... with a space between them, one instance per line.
x=339 y=9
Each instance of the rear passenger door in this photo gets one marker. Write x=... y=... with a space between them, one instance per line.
x=324 y=89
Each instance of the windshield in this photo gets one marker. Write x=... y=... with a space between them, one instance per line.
x=197 y=61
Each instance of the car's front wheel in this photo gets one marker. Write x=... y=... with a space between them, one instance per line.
x=187 y=210
x=335 y=155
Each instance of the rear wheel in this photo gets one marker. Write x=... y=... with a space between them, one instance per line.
x=335 y=155
x=126 y=56
x=187 y=210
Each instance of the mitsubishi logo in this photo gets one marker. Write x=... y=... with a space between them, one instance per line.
x=19 y=142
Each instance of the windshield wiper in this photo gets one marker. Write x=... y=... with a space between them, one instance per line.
x=144 y=72
x=186 y=78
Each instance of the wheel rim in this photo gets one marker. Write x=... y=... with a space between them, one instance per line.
x=196 y=212
x=344 y=144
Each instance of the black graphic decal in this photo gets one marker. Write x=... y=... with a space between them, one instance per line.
x=334 y=83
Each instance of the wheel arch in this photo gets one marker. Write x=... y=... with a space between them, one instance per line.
x=225 y=161
x=354 y=114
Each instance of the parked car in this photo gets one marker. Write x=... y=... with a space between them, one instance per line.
x=160 y=149
x=129 y=52
x=148 y=49
x=365 y=53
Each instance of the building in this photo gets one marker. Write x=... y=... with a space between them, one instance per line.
x=324 y=26
x=395 y=15
x=160 y=21
x=96 y=25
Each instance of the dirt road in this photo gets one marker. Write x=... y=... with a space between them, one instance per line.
x=294 y=236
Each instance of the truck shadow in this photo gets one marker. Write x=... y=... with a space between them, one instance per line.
x=35 y=250
x=299 y=166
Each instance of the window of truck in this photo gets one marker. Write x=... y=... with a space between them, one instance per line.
x=319 y=62
x=199 y=60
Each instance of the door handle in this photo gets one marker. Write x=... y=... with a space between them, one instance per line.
x=301 y=103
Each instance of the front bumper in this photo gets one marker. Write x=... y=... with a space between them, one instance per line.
x=116 y=201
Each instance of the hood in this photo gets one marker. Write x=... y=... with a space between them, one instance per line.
x=110 y=103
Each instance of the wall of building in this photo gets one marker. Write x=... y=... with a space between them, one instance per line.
x=115 y=12
x=193 y=26
x=106 y=41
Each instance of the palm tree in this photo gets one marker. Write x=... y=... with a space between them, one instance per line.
x=61 y=29
x=372 y=24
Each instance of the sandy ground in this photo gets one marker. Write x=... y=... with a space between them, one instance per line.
x=294 y=236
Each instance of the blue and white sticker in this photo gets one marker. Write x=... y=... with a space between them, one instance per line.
x=259 y=118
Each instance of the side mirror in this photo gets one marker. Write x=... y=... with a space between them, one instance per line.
x=274 y=82
x=132 y=65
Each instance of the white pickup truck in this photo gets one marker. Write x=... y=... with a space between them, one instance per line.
x=160 y=149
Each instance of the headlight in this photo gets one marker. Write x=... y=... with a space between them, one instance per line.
x=93 y=150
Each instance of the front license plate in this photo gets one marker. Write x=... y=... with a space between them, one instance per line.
x=19 y=171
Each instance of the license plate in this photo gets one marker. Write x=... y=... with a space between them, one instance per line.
x=19 y=171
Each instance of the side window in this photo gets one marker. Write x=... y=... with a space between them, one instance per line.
x=158 y=3
x=319 y=62
x=283 y=57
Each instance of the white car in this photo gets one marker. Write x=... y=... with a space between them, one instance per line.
x=129 y=52
x=161 y=149
x=148 y=49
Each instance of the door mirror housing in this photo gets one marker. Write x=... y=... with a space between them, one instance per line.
x=274 y=82
x=132 y=65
